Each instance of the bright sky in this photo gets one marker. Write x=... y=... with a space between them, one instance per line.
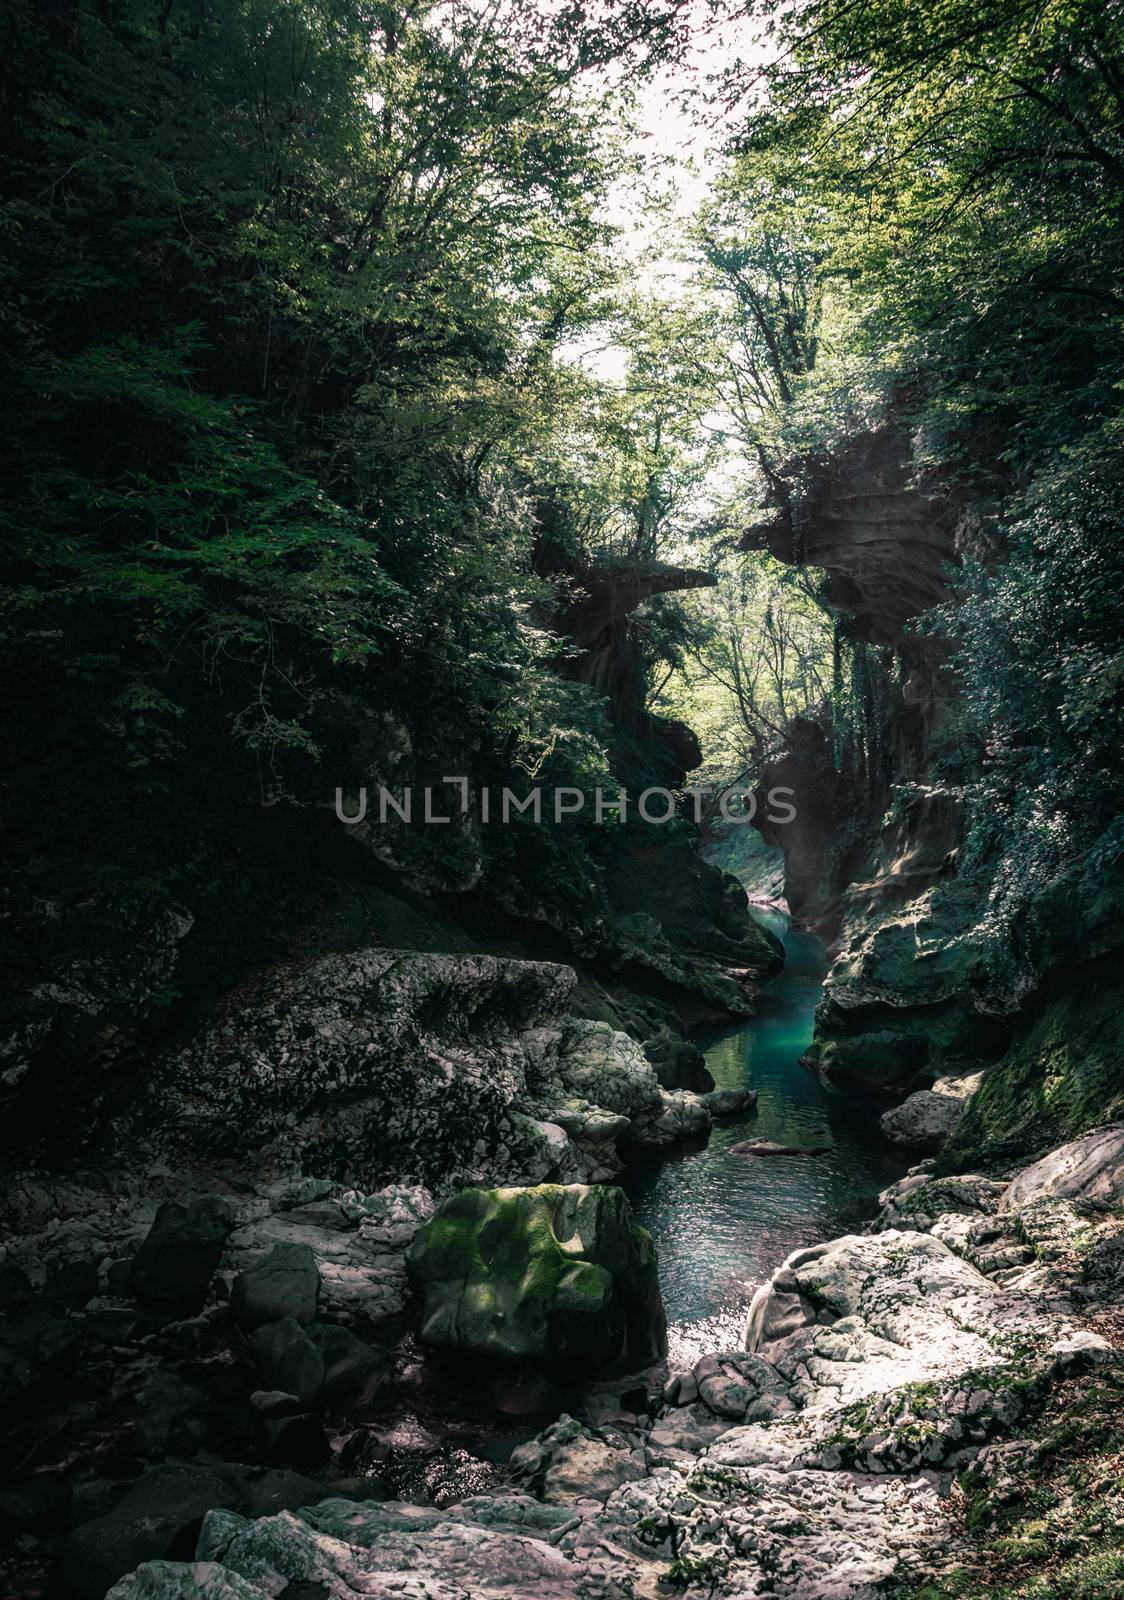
x=680 y=143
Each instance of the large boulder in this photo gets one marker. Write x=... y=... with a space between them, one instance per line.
x=417 y=1070
x=285 y=1284
x=157 y=1517
x=555 y=1276
x=289 y=1360
x=569 y=1461
x=393 y=1063
x=1089 y=1169
x=924 y=1120
x=180 y=1252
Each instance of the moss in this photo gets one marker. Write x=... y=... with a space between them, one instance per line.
x=687 y=1571
x=1063 y=1075
x=721 y=1483
x=553 y=1274
x=1055 y=1531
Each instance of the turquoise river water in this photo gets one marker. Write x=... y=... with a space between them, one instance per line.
x=722 y=1222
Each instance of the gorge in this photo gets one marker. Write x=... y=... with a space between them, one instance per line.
x=641 y=397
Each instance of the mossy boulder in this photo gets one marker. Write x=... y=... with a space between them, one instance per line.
x=555 y=1276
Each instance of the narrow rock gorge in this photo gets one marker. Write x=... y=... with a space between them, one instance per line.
x=564 y=843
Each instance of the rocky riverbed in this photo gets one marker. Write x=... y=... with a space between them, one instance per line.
x=189 y=1321
x=213 y=1383
x=825 y=1456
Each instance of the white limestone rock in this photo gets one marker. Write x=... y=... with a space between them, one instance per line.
x=1089 y=1169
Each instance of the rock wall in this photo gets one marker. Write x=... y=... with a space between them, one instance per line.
x=396 y=1066
x=926 y=979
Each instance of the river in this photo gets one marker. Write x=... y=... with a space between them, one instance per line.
x=721 y=1222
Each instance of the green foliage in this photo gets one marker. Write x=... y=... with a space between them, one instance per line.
x=282 y=288
x=1038 y=652
x=755 y=652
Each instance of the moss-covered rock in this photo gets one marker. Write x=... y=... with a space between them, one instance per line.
x=1063 y=1074
x=559 y=1276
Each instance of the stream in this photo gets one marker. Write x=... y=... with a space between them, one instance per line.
x=722 y=1223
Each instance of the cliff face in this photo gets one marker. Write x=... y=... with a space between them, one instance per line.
x=928 y=978
x=884 y=543
x=886 y=547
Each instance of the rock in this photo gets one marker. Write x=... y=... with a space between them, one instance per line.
x=152 y=1520
x=767 y=1147
x=41 y=1333
x=299 y=1440
x=357 y=1277
x=115 y=1325
x=288 y=1359
x=923 y=1121
x=350 y=1366
x=180 y=1252
x=73 y=1285
x=391 y=1216
x=275 y=1403
x=119 y=1279
x=678 y=1063
x=605 y=1068
x=489 y=1549
x=395 y=1062
x=286 y=1193
x=571 y=1462
x=680 y=1115
x=286 y=1284
x=738 y=1385
x=173 y=1580
x=917 y=1200
x=36 y=1499
x=160 y=1515
x=258 y=1493
x=865 y=1314
x=454 y=1475
x=556 y=1276
x=1090 y=1169
x=15 y=1286
x=729 y=1102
